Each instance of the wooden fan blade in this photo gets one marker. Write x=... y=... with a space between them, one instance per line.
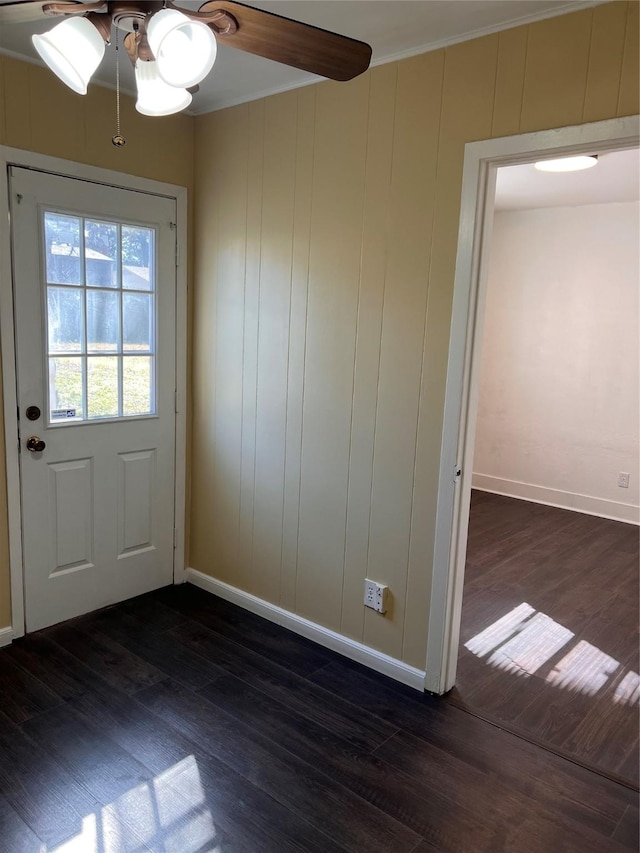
x=25 y=11
x=292 y=42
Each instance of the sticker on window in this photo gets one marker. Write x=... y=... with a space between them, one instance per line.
x=59 y=414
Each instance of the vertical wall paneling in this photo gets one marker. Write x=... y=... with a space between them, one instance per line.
x=467 y=113
x=305 y=137
x=348 y=437
x=51 y=99
x=252 y=283
x=405 y=300
x=507 y=102
x=605 y=62
x=17 y=104
x=371 y=284
x=273 y=339
x=556 y=71
x=231 y=260
x=334 y=262
x=209 y=151
x=630 y=79
x=3 y=121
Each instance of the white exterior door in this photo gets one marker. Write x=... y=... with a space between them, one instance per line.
x=94 y=295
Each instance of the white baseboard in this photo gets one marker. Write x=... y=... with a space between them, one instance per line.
x=351 y=649
x=554 y=497
x=6 y=636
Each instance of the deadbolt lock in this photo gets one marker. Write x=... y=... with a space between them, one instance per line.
x=33 y=413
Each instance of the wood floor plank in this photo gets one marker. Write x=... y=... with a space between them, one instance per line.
x=304 y=789
x=420 y=806
x=105 y=770
x=15 y=835
x=254 y=752
x=112 y=662
x=150 y=611
x=277 y=644
x=21 y=695
x=580 y=576
x=627 y=831
x=45 y=796
x=146 y=809
x=173 y=659
x=520 y=765
x=249 y=818
x=302 y=696
x=61 y=672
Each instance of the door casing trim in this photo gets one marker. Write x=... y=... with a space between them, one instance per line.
x=69 y=169
x=481 y=162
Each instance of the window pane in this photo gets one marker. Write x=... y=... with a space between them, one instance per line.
x=102 y=387
x=64 y=319
x=137 y=258
x=101 y=253
x=62 y=248
x=65 y=389
x=136 y=319
x=103 y=321
x=136 y=385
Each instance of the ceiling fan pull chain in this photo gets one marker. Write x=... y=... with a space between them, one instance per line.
x=118 y=140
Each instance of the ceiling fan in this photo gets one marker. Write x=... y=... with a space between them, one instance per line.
x=172 y=48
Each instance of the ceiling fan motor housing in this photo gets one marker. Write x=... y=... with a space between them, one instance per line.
x=128 y=15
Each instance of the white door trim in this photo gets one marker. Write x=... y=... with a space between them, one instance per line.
x=481 y=161
x=67 y=168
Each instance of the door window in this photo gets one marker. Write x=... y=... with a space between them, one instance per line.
x=100 y=318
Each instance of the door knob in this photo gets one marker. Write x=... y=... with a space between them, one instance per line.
x=35 y=444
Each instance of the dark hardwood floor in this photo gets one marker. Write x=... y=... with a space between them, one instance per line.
x=549 y=643
x=178 y=722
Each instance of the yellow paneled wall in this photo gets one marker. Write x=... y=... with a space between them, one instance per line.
x=38 y=113
x=326 y=227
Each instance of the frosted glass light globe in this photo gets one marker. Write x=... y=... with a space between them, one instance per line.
x=185 y=50
x=73 y=49
x=155 y=98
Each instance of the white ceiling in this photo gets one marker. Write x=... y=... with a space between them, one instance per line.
x=615 y=178
x=394 y=29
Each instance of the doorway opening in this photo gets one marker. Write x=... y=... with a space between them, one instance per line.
x=548 y=643
x=482 y=161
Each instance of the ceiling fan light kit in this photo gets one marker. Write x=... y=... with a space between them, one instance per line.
x=155 y=97
x=185 y=50
x=179 y=44
x=73 y=49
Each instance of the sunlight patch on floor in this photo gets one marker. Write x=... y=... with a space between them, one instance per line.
x=169 y=813
x=523 y=640
x=628 y=690
x=584 y=668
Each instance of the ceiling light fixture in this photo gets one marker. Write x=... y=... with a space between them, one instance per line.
x=155 y=97
x=73 y=49
x=567 y=164
x=185 y=50
x=178 y=44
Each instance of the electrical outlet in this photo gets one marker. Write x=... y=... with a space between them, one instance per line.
x=623 y=480
x=375 y=595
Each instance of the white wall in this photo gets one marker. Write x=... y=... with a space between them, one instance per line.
x=559 y=405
